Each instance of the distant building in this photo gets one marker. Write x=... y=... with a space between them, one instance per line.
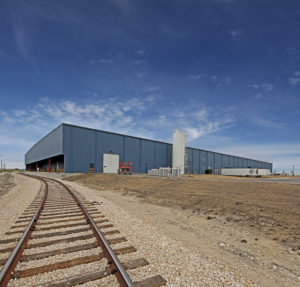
x=70 y=148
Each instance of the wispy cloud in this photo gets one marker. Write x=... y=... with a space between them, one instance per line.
x=139 y=62
x=265 y=123
x=144 y=116
x=219 y=80
x=264 y=86
x=294 y=81
x=268 y=87
x=235 y=32
x=123 y=5
x=141 y=52
x=197 y=76
x=152 y=89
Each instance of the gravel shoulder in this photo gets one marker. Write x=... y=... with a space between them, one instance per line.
x=251 y=228
x=179 y=263
x=18 y=194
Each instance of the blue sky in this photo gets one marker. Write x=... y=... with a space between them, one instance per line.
x=227 y=72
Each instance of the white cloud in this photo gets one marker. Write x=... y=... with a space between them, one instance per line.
x=294 y=81
x=235 y=32
x=140 y=52
x=19 y=113
x=197 y=76
x=151 y=98
x=123 y=5
x=152 y=89
x=265 y=123
x=226 y=80
x=258 y=96
x=268 y=87
x=105 y=61
x=214 y=78
x=265 y=86
x=139 y=62
x=149 y=117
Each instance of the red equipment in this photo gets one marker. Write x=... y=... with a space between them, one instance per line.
x=125 y=167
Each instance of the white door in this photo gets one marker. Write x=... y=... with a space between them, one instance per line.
x=110 y=163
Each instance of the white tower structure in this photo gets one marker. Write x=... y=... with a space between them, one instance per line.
x=178 y=150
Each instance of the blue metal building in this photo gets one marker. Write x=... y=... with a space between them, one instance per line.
x=72 y=148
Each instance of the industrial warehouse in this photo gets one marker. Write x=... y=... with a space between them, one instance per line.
x=75 y=149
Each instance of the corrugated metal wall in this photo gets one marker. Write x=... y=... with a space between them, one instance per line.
x=200 y=160
x=82 y=146
x=49 y=146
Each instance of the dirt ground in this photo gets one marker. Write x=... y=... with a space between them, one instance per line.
x=16 y=193
x=251 y=226
x=6 y=182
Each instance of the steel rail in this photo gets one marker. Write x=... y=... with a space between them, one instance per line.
x=116 y=266
x=12 y=261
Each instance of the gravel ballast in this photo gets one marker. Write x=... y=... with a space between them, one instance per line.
x=15 y=201
x=179 y=265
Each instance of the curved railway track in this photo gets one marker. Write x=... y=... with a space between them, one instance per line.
x=60 y=240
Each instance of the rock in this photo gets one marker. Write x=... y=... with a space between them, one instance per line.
x=274 y=267
x=222 y=244
x=244 y=241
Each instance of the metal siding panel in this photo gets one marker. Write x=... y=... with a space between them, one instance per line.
x=218 y=160
x=132 y=152
x=203 y=161
x=147 y=155
x=244 y=163
x=160 y=156
x=240 y=162
x=196 y=161
x=226 y=160
x=83 y=149
x=107 y=143
x=210 y=160
x=235 y=162
x=169 y=155
x=49 y=146
x=249 y=163
x=67 y=148
x=230 y=161
x=190 y=159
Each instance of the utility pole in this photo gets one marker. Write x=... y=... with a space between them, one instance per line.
x=293 y=170
x=1 y=161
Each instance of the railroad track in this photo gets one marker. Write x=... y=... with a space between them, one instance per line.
x=61 y=239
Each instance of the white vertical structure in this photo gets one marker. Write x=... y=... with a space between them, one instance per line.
x=178 y=150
